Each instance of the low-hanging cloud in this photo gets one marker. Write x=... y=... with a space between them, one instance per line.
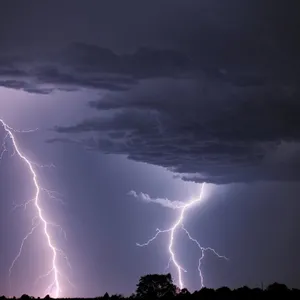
x=81 y=65
x=161 y=201
x=207 y=131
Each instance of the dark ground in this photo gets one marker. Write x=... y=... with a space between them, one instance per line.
x=274 y=290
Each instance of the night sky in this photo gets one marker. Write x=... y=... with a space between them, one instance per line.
x=152 y=97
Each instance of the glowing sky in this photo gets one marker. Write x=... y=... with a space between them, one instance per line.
x=189 y=93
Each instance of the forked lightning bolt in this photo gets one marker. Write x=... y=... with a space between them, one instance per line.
x=54 y=289
x=179 y=225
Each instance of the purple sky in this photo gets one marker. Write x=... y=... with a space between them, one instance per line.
x=154 y=99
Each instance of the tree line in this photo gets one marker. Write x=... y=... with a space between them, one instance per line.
x=161 y=286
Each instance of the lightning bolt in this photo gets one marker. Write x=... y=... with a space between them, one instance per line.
x=39 y=220
x=172 y=230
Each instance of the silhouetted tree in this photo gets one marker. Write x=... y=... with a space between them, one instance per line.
x=277 y=287
x=223 y=292
x=116 y=297
x=205 y=293
x=132 y=296
x=156 y=286
x=184 y=292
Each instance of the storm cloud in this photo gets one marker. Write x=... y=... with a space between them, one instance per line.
x=161 y=201
x=81 y=65
x=216 y=102
x=215 y=132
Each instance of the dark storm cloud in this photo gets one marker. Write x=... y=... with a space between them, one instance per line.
x=12 y=72
x=217 y=133
x=241 y=42
x=25 y=86
x=221 y=106
x=90 y=66
x=143 y=63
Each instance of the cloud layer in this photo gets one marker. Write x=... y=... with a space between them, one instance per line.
x=161 y=201
x=81 y=65
x=220 y=125
x=208 y=130
x=221 y=106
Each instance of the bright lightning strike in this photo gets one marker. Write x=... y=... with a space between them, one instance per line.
x=179 y=225
x=54 y=289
